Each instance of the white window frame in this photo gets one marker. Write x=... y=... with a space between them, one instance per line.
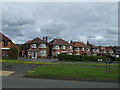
x=77 y=54
x=63 y=47
x=77 y=49
x=42 y=45
x=87 y=49
x=56 y=53
x=56 y=47
x=43 y=53
x=82 y=49
x=69 y=53
x=70 y=47
x=29 y=53
x=34 y=46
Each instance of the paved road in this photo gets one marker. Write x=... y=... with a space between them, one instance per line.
x=12 y=82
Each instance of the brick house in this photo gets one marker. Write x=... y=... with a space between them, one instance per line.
x=60 y=46
x=109 y=50
x=116 y=49
x=80 y=48
x=95 y=51
x=102 y=51
x=6 y=45
x=36 y=48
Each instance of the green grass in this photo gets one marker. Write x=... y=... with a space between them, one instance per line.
x=73 y=72
x=46 y=63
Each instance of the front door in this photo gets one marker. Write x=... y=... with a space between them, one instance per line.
x=34 y=54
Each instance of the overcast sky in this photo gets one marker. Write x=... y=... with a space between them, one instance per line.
x=82 y=21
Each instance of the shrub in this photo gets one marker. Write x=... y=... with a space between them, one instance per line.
x=78 y=57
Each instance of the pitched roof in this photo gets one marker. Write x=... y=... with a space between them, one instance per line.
x=3 y=37
x=36 y=40
x=92 y=46
x=79 y=44
x=28 y=42
x=59 y=42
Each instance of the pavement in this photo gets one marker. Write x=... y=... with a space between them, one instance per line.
x=6 y=73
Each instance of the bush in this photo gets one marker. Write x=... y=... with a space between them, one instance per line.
x=78 y=57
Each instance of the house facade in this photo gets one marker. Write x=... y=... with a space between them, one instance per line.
x=36 y=48
x=6 y=45
x=80 y=48
x=60 y=46
x=95 y=51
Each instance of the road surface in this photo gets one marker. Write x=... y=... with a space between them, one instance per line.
x=20 y=82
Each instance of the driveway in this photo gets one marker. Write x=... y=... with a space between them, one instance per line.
x=18 y=69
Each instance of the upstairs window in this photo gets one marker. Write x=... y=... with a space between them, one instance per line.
x=33 y=45
x=56 y=47
x=83 y=49
x=70 y=47
x=87 y=49
x=94 y=50
x=5 y=43
x=77 y=49
x=63 y=47
x=42 y=46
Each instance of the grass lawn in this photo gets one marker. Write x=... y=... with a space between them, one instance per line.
x=46 y=63
x=74 y=72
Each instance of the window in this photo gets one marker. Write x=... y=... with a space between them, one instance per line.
x=77 y=49
x=63 y=47
x=29 y=53
x=33 y=45
x=83 y=49
x=77 y=54
x=42 y=46
x=94 y=50
x=42 y=53
x=56 y=47
x=70 y=47
x=87 y=49
x=69 y=53
x=5 y=43
x=56 y=53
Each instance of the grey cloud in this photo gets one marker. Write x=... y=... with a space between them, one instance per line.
x=95 y=22
x=112 y=32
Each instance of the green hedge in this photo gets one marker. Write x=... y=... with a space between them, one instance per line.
x=78 y=57
x=12 y=54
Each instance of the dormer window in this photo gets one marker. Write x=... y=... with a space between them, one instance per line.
x=42 y=46
x=5 y=43
x=33 y=45
x=56 y=47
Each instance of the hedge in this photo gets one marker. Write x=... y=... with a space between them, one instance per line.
x=12 y=54
x=78 y=57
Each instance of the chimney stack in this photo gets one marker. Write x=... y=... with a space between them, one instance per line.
x=71 y=42
x=46 y=39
